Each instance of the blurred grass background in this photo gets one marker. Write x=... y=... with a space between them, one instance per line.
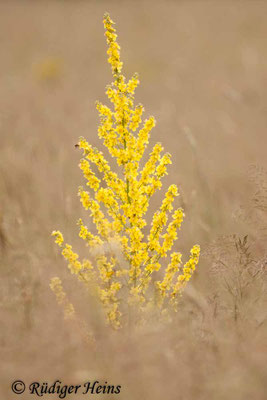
x=202 y=67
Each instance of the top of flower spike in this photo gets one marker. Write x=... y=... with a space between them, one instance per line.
x=114 y=48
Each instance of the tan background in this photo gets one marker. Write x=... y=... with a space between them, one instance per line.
x=202 y=66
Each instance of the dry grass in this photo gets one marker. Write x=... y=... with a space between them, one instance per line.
x=203 y=75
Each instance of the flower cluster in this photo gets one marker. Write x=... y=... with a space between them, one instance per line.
x=125 y=255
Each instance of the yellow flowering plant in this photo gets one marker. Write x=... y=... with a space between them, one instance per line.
x=123 y=261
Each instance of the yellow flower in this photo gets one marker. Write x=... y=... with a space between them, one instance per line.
x=123 y=260
x=56 y=287
x=188 y=270
x=59 y=237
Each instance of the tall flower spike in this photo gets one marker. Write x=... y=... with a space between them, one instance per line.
x=122 y=258
x=113 y=46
